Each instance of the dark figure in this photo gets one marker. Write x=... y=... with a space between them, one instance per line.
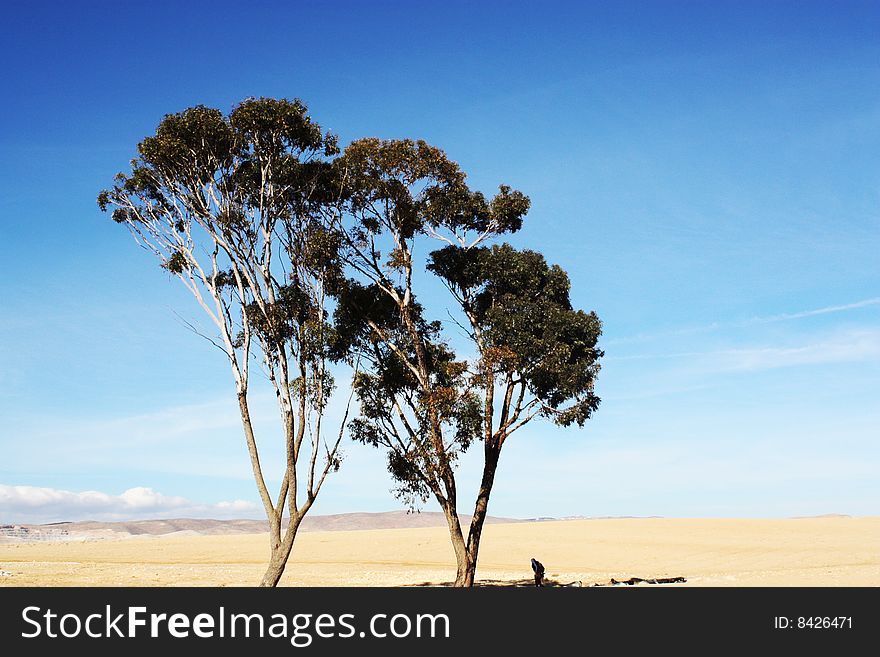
x=538 y=568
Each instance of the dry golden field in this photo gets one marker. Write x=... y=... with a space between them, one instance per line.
x=731 y=552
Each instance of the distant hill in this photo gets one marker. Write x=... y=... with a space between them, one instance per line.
x=337 y=522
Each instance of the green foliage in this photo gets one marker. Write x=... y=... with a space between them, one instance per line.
x=268 y=127
x=316 y=388
x=397 y=411
x=267 y=155
x=421 y=188
x=188 y=148
x=459 y=209
x=104 y=200
x=223 y=279
x=279 y=322
x=219 y=187
x=278 y=139
x=318 y=251
x=177 y=263
x=399 y=174
x=521 y=308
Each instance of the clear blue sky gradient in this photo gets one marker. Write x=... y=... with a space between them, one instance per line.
x=707 y=172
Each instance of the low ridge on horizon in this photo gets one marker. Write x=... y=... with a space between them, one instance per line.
x=208 y=526
x=354 y=521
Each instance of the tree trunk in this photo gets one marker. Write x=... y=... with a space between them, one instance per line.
x=492 y=454
x=276 y=566
x=458 y=544
x=279 y=554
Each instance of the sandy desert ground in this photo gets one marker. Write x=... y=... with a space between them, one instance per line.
x=791 y=552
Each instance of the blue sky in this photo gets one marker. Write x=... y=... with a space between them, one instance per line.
x=707 y=173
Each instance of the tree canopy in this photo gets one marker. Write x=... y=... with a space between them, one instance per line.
x=523 y=322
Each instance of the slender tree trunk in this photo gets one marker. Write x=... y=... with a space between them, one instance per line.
x=492 y=454
x=279 y=554
x=254 y=455
x=279 y=548
x=275 y=569
x=458 y=543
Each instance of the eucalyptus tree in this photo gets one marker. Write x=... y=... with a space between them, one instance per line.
x=231 y=205
x=533 y=354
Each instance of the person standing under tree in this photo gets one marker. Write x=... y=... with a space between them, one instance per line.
x=538 y=569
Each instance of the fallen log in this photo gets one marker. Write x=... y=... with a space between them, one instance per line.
x=638 y=580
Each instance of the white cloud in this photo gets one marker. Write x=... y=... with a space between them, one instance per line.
x=845 y=347
x=769 y=319
x=852 y=346
x=750 y=471
x=818 y=311
x=37 y=504
x=201 y=439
